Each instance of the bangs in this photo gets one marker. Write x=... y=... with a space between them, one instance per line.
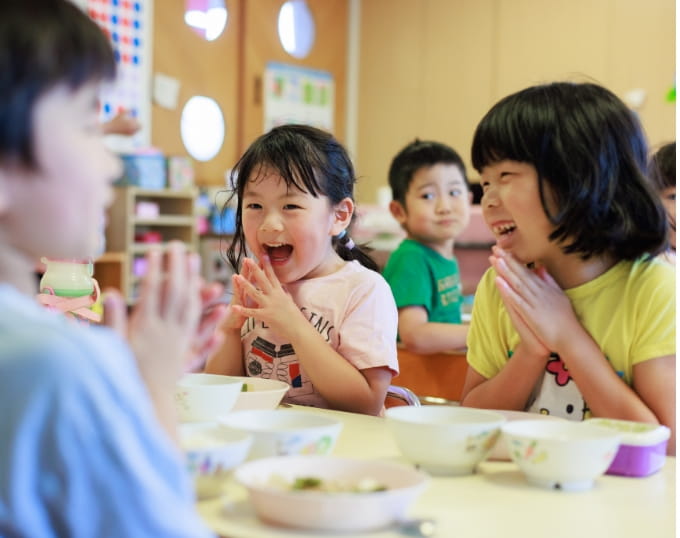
x=516 y=129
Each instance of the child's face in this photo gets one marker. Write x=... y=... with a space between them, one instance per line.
x=292 y=227
x=668 y=199
x=57 y=209
x=437 y=206
x=511 y=205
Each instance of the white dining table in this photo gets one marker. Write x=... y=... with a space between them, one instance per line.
x=496 y=501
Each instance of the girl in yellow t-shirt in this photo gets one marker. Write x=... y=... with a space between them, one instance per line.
x=574 y=317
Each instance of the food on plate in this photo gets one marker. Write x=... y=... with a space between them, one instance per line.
x=313 y=483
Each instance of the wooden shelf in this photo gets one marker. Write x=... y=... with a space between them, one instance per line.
x=176 y=221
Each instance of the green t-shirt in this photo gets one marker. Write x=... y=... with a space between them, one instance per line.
x=419 y=276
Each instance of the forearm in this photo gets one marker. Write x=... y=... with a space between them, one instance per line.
x=434 y=337
x=511 y=387
x=228 y=357
x=339 y=382
x=606 y=394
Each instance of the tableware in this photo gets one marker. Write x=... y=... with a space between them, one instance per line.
x=268 y=481
x=283 y=432
x=643 y=446
x=210 y=452
x=203 y=397
x=500 y=449
x=561 y=454
x=444 y=440
x=260 y=393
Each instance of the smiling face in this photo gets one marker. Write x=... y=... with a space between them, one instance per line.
x=437 y=207
x=292 y=227
x=512 y=209
x=57 y=209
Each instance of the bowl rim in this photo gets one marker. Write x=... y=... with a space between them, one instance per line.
x=545 y=430
x=408 y=414
x=321 y=421
x=421 y=479
x=186 y=380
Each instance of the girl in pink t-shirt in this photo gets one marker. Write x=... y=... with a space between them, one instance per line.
x=313 y=310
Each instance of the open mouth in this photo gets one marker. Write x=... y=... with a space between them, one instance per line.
x=279 y=252
x=504 y=229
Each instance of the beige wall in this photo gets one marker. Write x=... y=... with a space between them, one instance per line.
x=432 y=68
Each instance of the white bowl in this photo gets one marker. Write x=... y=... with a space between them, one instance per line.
x=444 y=440
x=205 y=397
x=500 y=450
x=274 y=503
x=210 y=451
x=561 y=454
x=284 y=432
x=260 y=393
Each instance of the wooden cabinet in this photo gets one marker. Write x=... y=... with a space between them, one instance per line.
x=139 y=219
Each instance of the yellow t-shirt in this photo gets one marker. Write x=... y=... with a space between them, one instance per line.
x=629 y=311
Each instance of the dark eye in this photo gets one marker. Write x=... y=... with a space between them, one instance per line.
x=455 y=192
x=427 y=196
x=291 y=206
x=485 y=186
x=253 y=206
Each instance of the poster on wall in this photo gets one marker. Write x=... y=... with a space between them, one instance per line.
x=127 y=23
x=294 y=94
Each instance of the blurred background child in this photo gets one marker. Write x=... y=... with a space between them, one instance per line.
x=307 y=311
x=431 y=200
x=87 y=420
x=573 y=319
x=662 y=174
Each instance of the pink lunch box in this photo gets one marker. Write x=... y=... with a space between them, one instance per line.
x=643 y=446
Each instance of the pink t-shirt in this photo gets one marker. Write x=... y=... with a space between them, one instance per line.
x=353 y=309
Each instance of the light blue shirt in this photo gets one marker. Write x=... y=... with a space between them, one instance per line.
x=81 y=454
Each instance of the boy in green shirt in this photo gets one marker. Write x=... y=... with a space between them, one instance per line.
x=431 y=200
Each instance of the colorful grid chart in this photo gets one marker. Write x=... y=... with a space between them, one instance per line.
x=296 y=94
x=126 y=23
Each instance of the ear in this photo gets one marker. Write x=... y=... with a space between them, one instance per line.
x=398 y=211
x=342 y=215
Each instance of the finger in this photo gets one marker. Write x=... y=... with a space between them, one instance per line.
x=249 y=291
x=149 y=287
x=174 y=288
x=193 y=306
x=115 y=312
x=269 y=270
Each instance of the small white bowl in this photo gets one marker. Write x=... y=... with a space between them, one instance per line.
x=204 y=397
x=260 y=393
x=500 y=450
x=285 y=432
x=276 y=504
x=211 y=451
x=561 y=454
x=444 y=440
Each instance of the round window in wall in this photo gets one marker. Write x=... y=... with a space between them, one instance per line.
x=202 y=127
x=296 y=28
x=207 y=17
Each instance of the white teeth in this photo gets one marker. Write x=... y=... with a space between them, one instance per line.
x=273 y=245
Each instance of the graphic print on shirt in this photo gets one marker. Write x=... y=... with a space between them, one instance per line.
x=557 y=394
x=450 y=290
x=263 y=359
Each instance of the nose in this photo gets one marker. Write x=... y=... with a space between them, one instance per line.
x=271 y=222
x=489 y=198
x=443 y=204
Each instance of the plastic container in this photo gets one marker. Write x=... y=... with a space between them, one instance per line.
x=643 y=446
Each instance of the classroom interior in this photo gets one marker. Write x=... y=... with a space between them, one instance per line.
x=388 y=71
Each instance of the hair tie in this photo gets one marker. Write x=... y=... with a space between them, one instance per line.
x=347 y=243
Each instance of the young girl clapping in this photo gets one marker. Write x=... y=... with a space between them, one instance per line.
x=574 y=317
x=304 y=309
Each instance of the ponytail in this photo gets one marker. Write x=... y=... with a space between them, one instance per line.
x=348 y=250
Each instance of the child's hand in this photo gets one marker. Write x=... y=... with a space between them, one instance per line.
x=267 y=300
x=539 y=308
x=164 y=325
x=234 y=318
